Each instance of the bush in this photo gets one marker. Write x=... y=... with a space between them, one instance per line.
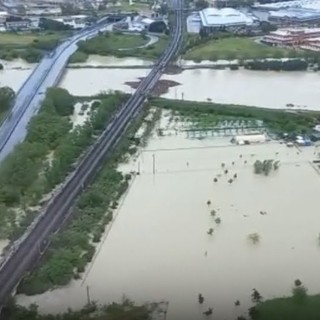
x=78 y=57
x=32 y=55
x=62 y=101
x=274 y=65
x=299 y=294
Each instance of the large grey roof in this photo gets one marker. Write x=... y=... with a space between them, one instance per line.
x=227 y=16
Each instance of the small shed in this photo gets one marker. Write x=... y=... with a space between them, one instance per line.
x=250 y=138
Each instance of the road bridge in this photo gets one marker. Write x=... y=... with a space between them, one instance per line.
x=46 y=74
x=24 y=255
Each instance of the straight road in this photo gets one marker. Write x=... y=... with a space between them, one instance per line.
x=28 y=99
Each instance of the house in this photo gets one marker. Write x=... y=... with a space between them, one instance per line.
x=19 y=25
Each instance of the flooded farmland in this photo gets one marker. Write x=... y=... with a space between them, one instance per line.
x=158 y=246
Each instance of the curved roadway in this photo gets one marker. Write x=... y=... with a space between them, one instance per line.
x=29 y=97
x=26 y=252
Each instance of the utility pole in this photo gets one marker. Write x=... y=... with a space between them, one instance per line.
x=88 y=296
x=153 y=163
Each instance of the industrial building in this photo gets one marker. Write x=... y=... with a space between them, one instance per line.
x=298 y=4
x=295 y=16
x=213 y=19
x=292 y=12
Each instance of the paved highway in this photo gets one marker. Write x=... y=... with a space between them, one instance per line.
x=28 y=99
x=26 y=252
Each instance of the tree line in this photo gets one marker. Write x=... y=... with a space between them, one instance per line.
x=277 y=65
x=277 y=121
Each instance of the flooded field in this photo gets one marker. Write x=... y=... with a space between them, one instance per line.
x=92 y=81
x=158 y=248
x=301 y=89
x=15 y=73
x=253 y=88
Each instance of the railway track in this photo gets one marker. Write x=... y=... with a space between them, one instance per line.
x=25 y=253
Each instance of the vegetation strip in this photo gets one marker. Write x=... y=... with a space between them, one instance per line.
x=108 y=44
x=230 y=48
x=206 y=114
x=48 y=154
x=114 y=311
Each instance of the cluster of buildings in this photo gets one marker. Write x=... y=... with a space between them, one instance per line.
x=292 y=12
x=283 y=14
x=304 y=38
x=10 y=23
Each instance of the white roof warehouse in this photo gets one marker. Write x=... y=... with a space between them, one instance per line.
x=228 y=17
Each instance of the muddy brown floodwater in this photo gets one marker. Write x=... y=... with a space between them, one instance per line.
x=253 y=88
x=157 y=247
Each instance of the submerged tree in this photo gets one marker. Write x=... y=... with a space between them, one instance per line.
x=200 y=298
x=256 y=297
x=254 y=237
x=213 y=212
x=297 y=282
x=217 y=220
x=299 y=294
x=210 y=231
x=265 y=167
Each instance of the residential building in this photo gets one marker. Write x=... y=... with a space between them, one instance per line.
x=311 y=45
x=20 y=25
x=291 y=36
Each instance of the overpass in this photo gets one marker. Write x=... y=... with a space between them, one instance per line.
x=47 y=74
x=25 y=253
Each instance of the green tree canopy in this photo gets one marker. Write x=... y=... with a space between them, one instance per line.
x=62 y=101
x=6 y=97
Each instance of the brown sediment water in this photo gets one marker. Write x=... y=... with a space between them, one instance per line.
x=157 y=247
x=253 y=88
